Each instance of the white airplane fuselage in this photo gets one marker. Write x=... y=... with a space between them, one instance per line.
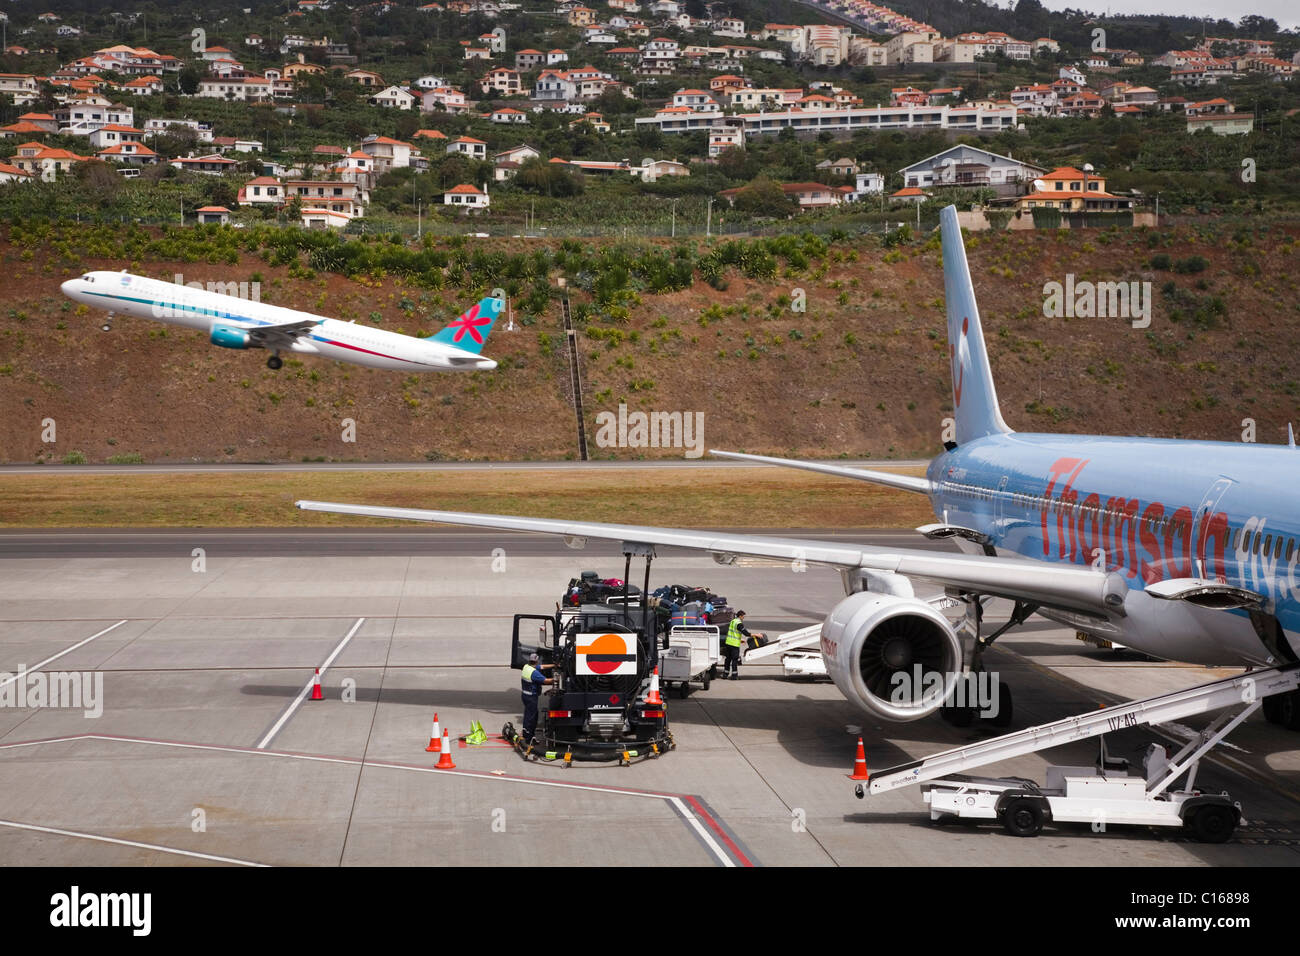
x=225 y=317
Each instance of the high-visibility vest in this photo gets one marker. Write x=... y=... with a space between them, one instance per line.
x=527 y=685
x=733 y=632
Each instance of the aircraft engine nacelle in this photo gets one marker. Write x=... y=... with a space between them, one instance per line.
x=895 y=656
x=228 y=336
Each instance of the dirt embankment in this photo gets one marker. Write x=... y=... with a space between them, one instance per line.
x=862 y=371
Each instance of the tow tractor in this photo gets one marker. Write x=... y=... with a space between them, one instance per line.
x=1105 y=793
x=605 y=703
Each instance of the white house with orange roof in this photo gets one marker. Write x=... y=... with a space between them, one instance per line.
x=446 y=98
x=262 y=191
x=128 y=154
x=144 y=86
x=468 y=146
x=336 y=196
x=113 y=133
x=502 y=80
x=366 y=78
x=556 y=57
x=12 y=174
x=45 y=121
x=507 y=115
x=554 y=85
x=388 y=153
x=1073 y=190
x=466 y=198
x=725 y=138
x=529 y=59
x=45 y=162
x=82 y=115
x=700 y=100
x=239 y=89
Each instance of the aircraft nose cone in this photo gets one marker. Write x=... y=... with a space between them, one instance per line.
x=67 y=287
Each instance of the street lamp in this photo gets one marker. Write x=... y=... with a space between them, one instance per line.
x=1087 y=168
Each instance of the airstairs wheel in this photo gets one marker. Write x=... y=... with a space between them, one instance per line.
x=1023 y=817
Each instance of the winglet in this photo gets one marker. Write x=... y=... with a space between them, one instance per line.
x=975 y=401
x=470 y=331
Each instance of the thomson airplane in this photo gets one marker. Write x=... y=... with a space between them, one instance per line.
x=1185 y=550
x=236 y=323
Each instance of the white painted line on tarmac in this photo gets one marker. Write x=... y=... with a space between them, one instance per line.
x=142 y=846
x=702 y=833
x=55 y=657
x=676 y=801
x=306 y=689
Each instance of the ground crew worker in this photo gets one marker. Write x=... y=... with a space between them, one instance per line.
x=736 y=632
x=530 y=686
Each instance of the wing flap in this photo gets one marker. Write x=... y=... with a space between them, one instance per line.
x=280 y=336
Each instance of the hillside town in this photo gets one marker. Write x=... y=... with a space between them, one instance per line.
x=517 y=113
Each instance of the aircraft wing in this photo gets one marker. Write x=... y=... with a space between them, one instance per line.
x=280 y=336
x=904 y=482
x=1071 y=588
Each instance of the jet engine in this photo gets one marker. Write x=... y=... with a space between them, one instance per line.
x=228 y=336
x=895 y=656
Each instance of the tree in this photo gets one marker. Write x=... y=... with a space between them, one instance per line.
x=189 y=80
x=763 y=197
x=548 y=179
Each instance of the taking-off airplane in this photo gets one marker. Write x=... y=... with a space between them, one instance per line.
x=237 y=323
x=1185 y=550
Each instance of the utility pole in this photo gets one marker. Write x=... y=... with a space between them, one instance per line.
x=419 y=222
x=674 y=229
x=708 y=225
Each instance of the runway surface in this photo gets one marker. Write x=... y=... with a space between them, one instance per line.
x=209 y=751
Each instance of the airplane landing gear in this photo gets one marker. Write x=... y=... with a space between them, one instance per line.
x=108 y=323
x=274 y=361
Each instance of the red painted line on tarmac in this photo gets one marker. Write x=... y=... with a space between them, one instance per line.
x=720 y=833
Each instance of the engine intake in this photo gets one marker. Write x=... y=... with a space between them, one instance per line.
x=895 y=656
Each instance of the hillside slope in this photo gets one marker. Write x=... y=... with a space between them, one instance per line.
x=862 y=372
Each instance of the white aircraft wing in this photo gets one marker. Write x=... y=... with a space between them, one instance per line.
x=905 y=482
x=280 y=336
x=1079 y=589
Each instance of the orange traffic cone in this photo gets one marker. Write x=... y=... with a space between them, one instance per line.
x=860 y=764
x=444 y=762
x=435 y=738
x=315 y=687
x=653 y=697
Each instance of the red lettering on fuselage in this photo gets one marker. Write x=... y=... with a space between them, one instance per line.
x=1062 y=466
x=1140 y=541
x=1150 y=565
